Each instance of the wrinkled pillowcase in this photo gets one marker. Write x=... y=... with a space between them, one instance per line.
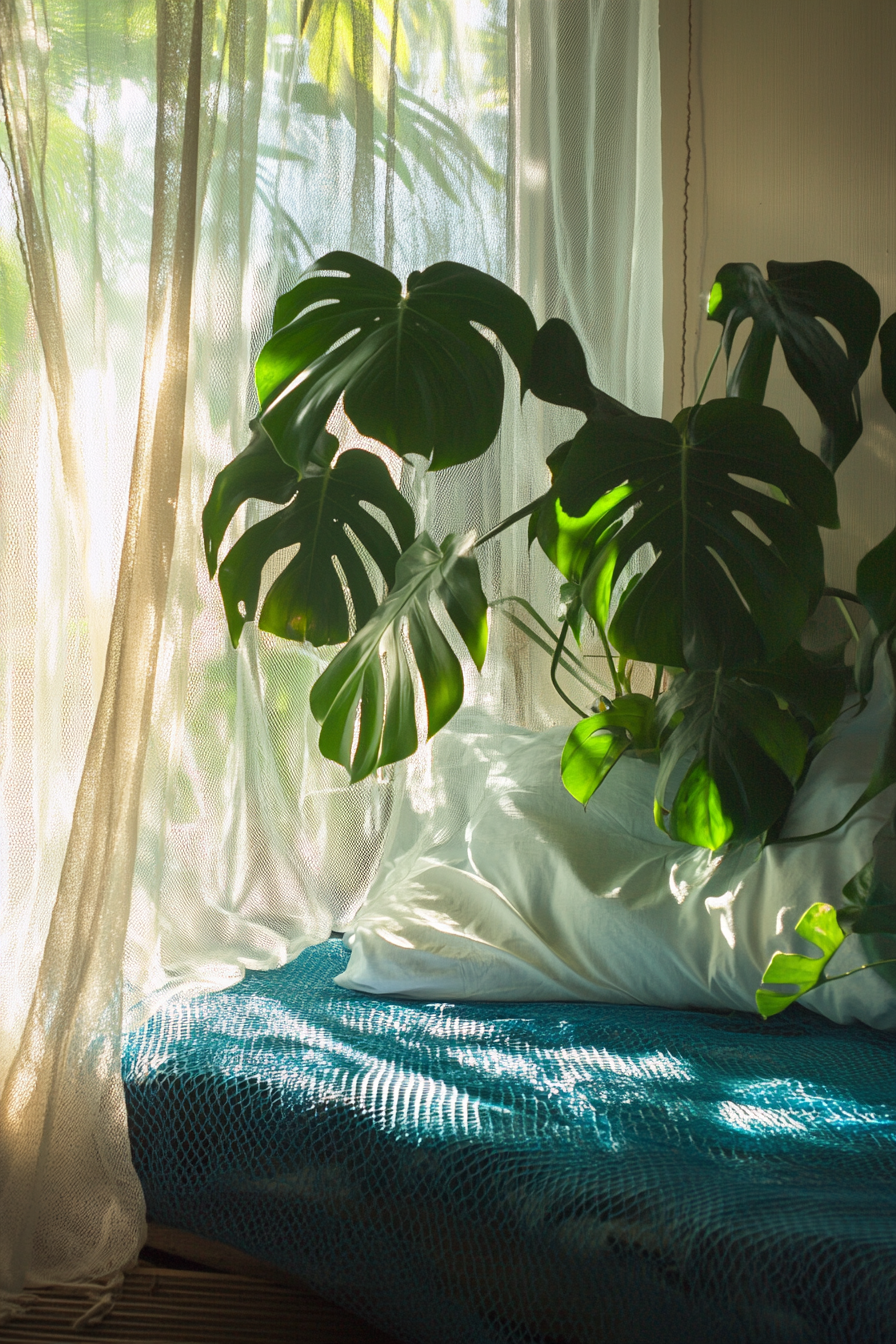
x=537 y=898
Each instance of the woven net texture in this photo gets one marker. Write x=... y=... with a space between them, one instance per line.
x=529 y=1173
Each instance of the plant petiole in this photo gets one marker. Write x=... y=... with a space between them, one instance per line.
x=611 y=661
x=524 y=512
x=847 y=618
x=561 y=640
x=868 y=966
x=709 y=372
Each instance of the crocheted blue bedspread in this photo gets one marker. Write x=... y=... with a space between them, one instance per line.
x=530 y=1173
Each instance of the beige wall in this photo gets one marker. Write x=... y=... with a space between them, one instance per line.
x=793 y=158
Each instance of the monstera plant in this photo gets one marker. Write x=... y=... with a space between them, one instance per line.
x=726 y=498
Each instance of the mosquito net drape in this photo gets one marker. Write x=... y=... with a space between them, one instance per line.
x=170 y=167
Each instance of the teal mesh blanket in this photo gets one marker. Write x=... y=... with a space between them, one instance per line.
x=530 y=1173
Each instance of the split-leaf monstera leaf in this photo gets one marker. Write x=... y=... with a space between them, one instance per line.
x=328 y=520
x=414 y=371
x=789 y=975
x=736 y=571
x=559 y=374
x=416 y=374
x=787 y=307
x=373 y=671
x=748 y=754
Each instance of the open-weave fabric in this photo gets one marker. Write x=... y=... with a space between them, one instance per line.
x=487 y=1173
x=171 y=166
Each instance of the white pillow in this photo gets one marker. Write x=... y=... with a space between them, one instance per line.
x=537 y=898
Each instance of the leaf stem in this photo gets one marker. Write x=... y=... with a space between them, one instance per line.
x=864 y=798
x=709 y=371
x=570 y=664
x=869 y=965
x=847 y=618
x=608 y=653
x=554 y=662
x=513 y=518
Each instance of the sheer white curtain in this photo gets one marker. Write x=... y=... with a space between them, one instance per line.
x=165 y=818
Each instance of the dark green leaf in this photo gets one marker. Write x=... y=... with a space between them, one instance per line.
x=884 y=772
x=596 y=744
x=258 y=472
x=788 y=306
x=559 y=374
x=747 y=755
x=869 y=643
x=872 y=897
x=818 y=926
x=415 y=373
x=717 y=593
x=327 y=520
x=887 y=338
x=876 y=583
x=373 y=671
x=812 y=688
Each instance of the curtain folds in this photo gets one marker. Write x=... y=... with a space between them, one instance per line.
x=166 y=820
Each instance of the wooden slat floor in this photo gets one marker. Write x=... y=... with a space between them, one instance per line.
x=201 y=1305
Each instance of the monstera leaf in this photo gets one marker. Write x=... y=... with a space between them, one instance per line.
x=818 y=926
x=258 y=472
x=811 y=688
x=871 y=908
x=787 y=306
x=748 y=754
x=883 y=773
x=373 y=670
x=596 y=744
x=876 y=573
x=415 y=373
x=328 y=521
x=876 y=583
x=887 y=338
x=736 y=571
x=559 y=374
x=876 y=587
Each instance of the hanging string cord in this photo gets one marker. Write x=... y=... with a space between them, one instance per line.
x=687 y=187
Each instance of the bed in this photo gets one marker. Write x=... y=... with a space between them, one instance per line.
x=539 y=1173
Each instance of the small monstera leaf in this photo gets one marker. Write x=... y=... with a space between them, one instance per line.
x=414 y=372
x=596 y=744
x=329 y=523
x=373 y=671
x=748 y=754
x=818 y=926
x=559 y=374
x=787 y=306
x=736 y=571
